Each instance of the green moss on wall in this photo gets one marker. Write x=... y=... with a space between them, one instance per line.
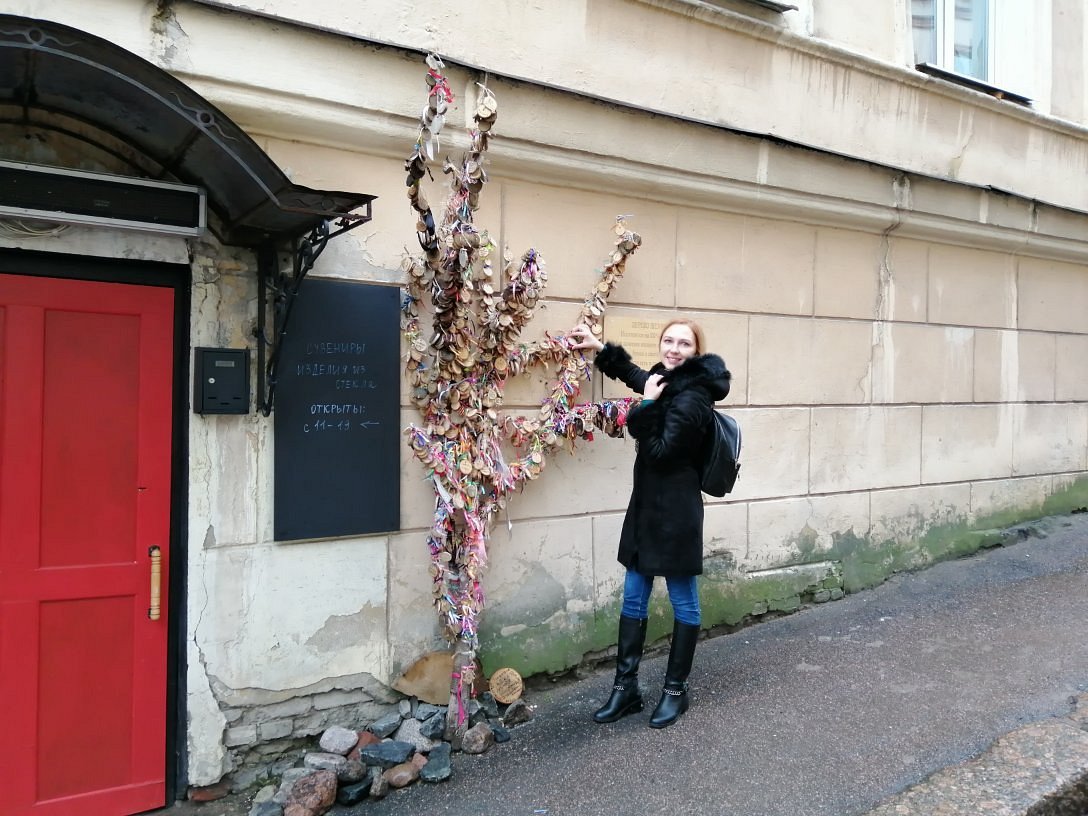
x=1073 y=497
x=546 y=647
x=728 y=597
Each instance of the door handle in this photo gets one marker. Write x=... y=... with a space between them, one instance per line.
x=154 y=612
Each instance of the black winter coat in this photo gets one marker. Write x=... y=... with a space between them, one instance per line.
x=663 y=529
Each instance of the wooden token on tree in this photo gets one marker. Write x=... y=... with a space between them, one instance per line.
x=506 y=686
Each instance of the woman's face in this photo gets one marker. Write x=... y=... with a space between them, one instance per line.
x=677 y=345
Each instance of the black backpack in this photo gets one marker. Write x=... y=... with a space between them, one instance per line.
x=722 y=463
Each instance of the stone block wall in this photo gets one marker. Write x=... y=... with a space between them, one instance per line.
x=266 y=731
x=897 y=393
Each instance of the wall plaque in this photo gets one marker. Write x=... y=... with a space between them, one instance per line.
x=336 y=416
x=638 y=335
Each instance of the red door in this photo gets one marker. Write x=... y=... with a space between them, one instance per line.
x=85 y=448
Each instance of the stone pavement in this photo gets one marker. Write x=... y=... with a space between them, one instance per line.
x=961 y=689
x=1041 y=769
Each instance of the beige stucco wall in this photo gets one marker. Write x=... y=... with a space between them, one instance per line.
x=838 y=82
x=909 y=352
x=1070 y=37
x=881 y=32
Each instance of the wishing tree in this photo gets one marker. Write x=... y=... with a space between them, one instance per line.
x=477 y=455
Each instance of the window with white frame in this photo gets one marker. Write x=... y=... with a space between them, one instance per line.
x=954 y=35
x=991 y=41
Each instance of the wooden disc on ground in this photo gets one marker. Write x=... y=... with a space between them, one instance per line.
x=506 y=686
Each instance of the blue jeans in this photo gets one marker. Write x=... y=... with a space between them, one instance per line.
x=683 y=596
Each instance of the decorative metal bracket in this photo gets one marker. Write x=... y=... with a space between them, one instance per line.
x=274 y=285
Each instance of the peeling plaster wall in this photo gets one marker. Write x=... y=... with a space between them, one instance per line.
x=910 y=354
x=288 y=638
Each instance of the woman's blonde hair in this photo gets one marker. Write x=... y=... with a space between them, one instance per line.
x=696 y=329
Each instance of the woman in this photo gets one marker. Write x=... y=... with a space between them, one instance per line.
x=663 y=529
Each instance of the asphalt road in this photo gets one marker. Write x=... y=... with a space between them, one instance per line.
x=821 y=713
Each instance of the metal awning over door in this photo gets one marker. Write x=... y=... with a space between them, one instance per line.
x=61 y=79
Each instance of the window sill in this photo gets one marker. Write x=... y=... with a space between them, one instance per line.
x=743 y=6
x=773 y=6
x=971 y=82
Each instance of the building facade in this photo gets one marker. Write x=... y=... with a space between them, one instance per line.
x=879 y=219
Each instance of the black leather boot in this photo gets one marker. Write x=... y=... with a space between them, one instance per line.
x=625 y=698
x=674 y=698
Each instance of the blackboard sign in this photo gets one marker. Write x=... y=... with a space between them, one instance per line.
x=337 y=434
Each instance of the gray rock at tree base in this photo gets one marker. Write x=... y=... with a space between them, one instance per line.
x=424 y=711
x=517 y=712
x=290 y=777
x=387 y=754
x=338 y=740
x=401 y=776
x=479 y=716
x=434 y=726
x=410 y=731
x=405 y=708
x=351 y=772
x=314 y=793
x=324 y=762
x=265 y=794
x=266 y=809
x=379 y=787
x=478 y=739
x=438 y=768
x=365 y=738
x=490 y=705
x=386 y=725
x=354 y=794
x=501 y=733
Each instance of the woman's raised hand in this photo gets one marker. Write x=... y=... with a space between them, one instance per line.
x=653 y=387
x=585 y=338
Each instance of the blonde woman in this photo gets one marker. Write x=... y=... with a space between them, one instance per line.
x=663 y=529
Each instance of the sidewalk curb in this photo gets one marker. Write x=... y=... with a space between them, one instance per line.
x=1038 y=770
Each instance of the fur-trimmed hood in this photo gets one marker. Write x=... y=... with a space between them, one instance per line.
x=707 y=370
x=663 y=529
